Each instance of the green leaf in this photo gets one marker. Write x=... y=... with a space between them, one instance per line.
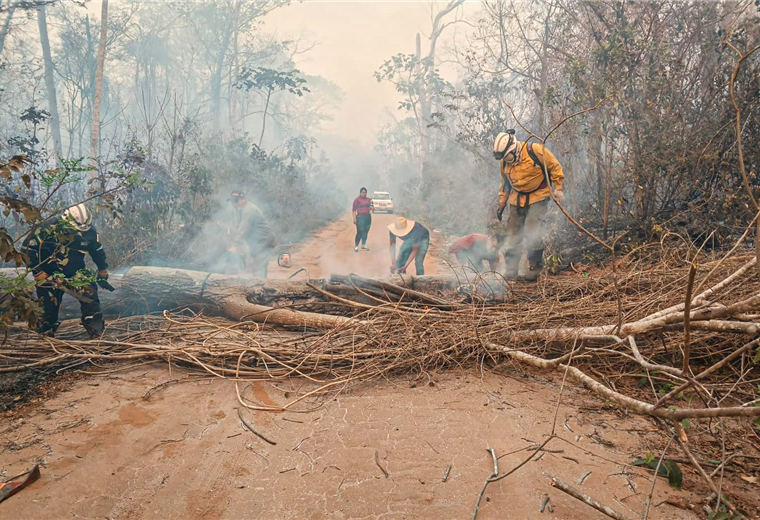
x=675 y=476
x=686 y=424
x=668 y=468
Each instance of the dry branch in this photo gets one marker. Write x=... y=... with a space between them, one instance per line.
x=570 y=490
x=362 y=329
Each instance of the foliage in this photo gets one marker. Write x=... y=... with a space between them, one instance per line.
x=658 y=158
x=270 y=80
x=35 y=196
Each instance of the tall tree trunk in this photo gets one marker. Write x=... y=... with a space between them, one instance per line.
x=95 y=140
x=235 y=73
x=216 y=78
x=264 y=119
x=55 y=123
x=422 y=96
x=425 y=95
x=6 y=26
x=88 y=91
x=609 y=150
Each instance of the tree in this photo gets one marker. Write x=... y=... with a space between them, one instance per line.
x=54 y=120
x=270 y=81
x=6 y=26
x=95 y=141
x=215 y=24
x=416 y=76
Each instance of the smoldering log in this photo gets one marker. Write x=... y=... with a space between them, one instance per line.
x=145 y=290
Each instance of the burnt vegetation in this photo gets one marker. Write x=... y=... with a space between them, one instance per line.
x=653 y=109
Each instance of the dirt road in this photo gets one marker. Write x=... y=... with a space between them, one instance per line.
x=110 y=447
x=331 y=250
x=157 y=442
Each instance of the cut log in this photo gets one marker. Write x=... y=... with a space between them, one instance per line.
x=145 y=290
x=151 y=289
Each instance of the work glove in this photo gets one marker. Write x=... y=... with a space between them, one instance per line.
x=500 y=211
x=559 y=197
x=38 y=277
x=393 y=269
x=103 y=274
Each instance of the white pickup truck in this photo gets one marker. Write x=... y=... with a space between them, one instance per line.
x=382 y=201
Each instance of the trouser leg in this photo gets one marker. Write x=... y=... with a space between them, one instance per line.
x=535 y=229
x=259 y=264
x=257 y=259
x=512 y=248
x=92 y=317
x=51 y=303
x=363 y=223
x=419 y=259
x=403 y=254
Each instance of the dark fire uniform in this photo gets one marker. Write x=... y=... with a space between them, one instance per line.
x=56 y=248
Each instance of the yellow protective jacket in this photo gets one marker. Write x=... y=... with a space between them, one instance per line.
x=524 y=183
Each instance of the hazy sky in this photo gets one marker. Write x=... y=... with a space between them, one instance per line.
x=353 y=38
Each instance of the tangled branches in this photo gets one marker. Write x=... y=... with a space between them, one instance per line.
x=637 y=365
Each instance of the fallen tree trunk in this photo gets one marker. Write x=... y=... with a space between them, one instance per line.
x=151 y=289
x=145 y=290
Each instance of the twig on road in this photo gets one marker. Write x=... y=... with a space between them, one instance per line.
x=570 y=490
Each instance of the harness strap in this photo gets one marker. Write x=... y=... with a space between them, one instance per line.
x=544 y=183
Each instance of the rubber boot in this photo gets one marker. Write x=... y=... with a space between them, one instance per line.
x=47 y=329
x=535 y=264
x=511 y=263
x=94 y=325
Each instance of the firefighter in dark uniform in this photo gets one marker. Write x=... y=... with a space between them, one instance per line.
x=57 y=250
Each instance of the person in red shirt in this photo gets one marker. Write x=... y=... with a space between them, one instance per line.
x=362 y=213
x=472 y=250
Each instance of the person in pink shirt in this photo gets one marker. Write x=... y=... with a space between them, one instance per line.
x=362 y=213
x=472 y=250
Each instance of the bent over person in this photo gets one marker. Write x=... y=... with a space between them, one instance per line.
x=416 y=242
x=362 y=213
x=472 y=250
x=526 y=191
x=252 y=239
x=57 y=250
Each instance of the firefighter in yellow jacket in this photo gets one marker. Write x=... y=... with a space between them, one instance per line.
x=528 y=172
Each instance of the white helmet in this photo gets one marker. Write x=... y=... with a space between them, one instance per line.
x=506 y=144
x=79 y=217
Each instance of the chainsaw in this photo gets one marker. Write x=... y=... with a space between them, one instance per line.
x=283 y=259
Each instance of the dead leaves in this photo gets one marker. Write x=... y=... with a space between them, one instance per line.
x=31 y=213
x=15 y=165
x=7 y=251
